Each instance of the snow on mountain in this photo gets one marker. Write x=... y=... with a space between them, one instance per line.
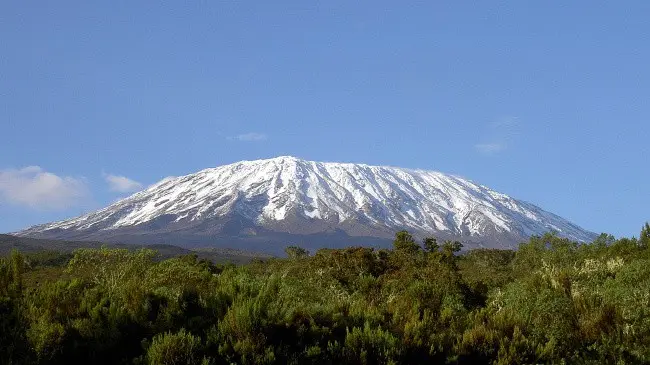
x=286 y=194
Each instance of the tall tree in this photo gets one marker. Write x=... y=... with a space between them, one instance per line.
x=404 y=242
x=644 y=238
x=296 y=252
x=430 y=244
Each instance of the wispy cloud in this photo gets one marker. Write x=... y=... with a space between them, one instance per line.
x=36 y=188
x=489 y=148
x=504 y=122
x=500 y=134
x=250 y=137
x=121 y=184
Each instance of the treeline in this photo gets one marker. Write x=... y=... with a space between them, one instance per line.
x=551 y=301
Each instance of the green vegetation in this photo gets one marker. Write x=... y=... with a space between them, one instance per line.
x=551 y=301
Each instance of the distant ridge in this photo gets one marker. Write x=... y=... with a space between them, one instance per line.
x=31 y=245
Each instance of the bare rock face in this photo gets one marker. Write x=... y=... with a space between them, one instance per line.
x=285 y=200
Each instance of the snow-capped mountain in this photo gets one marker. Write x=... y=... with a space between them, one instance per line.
x=277 y=200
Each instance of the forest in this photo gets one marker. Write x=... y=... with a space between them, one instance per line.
x=549 y=301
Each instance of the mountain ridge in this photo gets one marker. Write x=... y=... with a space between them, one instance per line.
x=287 y=195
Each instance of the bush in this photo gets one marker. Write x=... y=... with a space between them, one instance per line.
x=175 y=349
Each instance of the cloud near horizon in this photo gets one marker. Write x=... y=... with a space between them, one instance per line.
x=250 y=137
x=121 y=184
x=36 y=188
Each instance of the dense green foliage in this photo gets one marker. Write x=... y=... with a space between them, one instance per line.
x=551 y=301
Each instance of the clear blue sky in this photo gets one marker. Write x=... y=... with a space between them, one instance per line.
x=546 y=102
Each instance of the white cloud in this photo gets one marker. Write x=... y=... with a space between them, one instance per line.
x=505 y=122
x=490 y=148
x=500 y=134
x=250 y=137
x=121 y=184
x=35 y=188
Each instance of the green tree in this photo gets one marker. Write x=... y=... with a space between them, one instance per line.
x=604 y=240
x=14 y=348
x=451 y=247
x=296 y=252
x=404 y=242
x=430 y=244
x=644 y=238
x=449 y=251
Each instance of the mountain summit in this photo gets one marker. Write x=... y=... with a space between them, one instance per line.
x=266 y=204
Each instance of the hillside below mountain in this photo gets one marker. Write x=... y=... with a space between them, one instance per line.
x=33 y=245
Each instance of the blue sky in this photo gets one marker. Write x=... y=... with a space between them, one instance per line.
x=544 y=101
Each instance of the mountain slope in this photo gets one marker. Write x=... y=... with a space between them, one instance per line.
x=276 y=198
x=32 y=245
